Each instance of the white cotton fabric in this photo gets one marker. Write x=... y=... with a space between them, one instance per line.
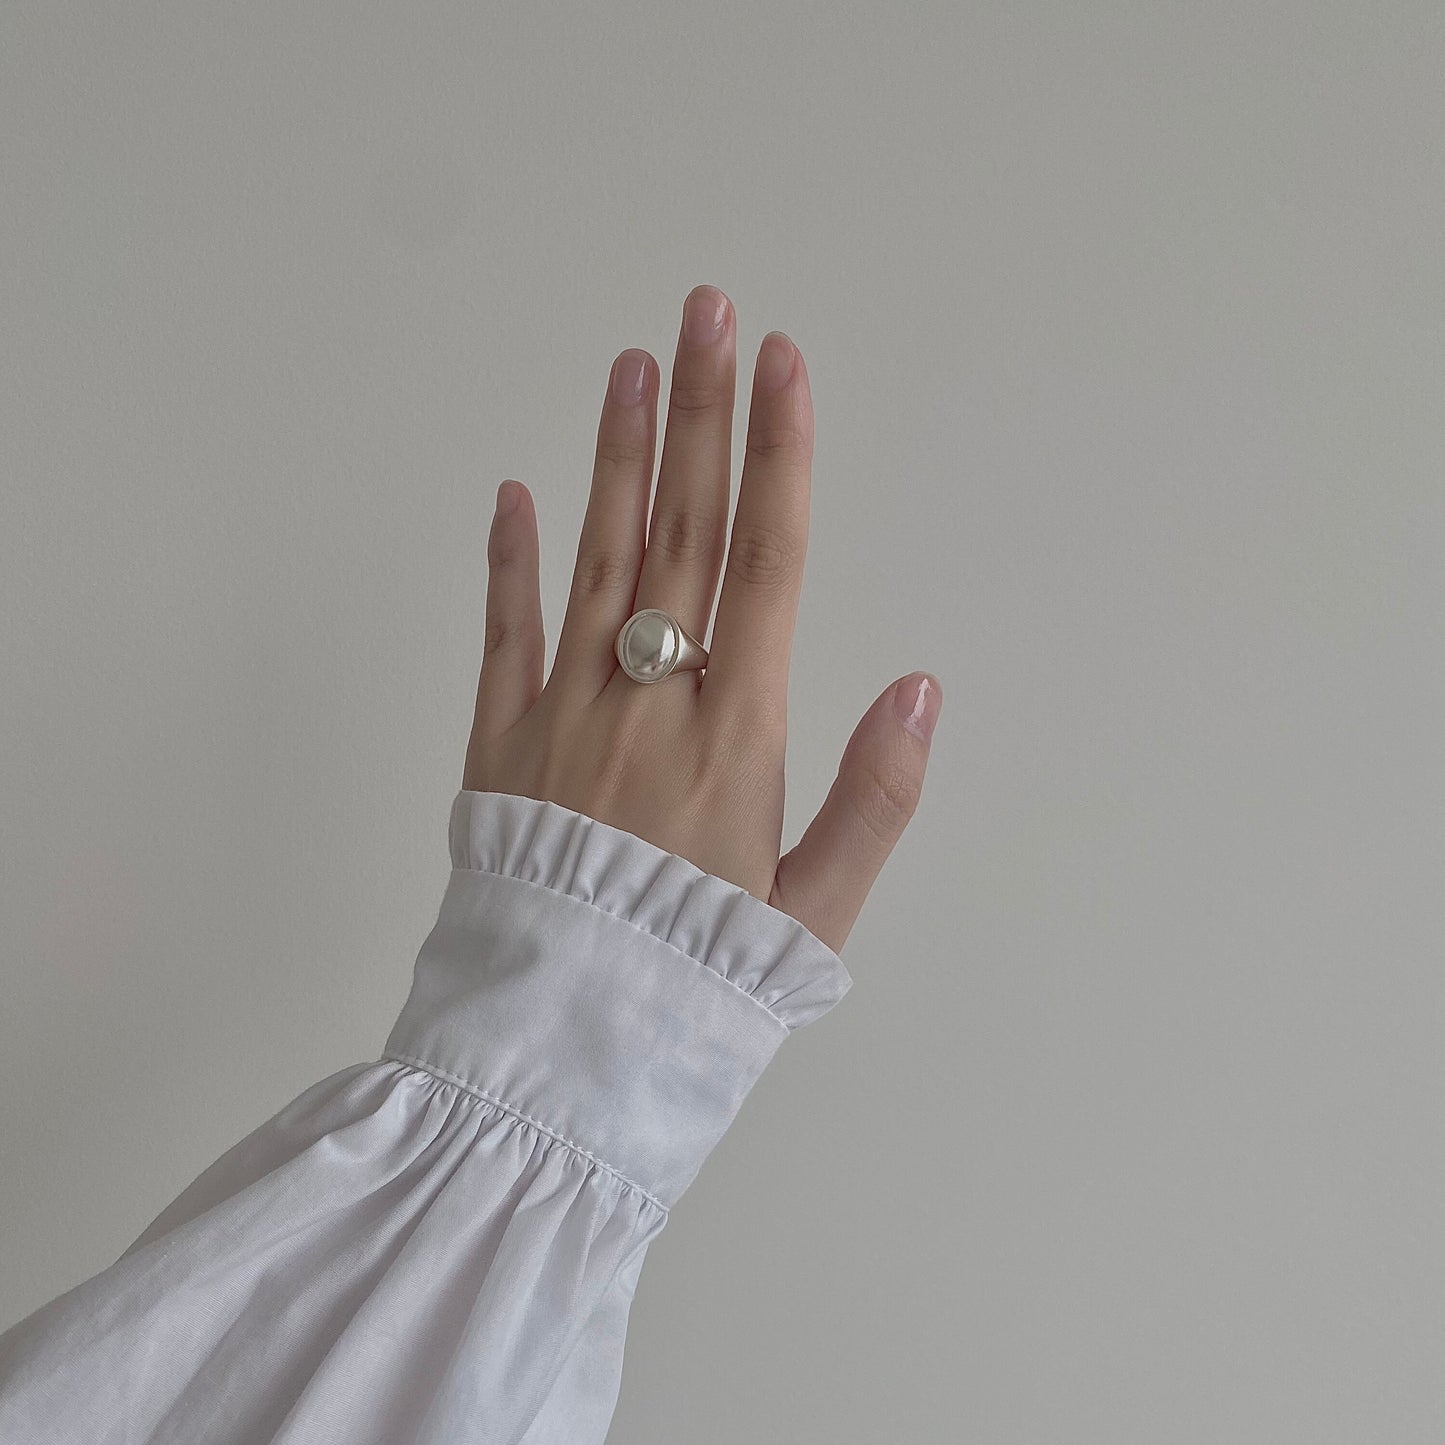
x=440 y=1246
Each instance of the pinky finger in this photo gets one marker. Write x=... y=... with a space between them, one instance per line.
x=512 y=641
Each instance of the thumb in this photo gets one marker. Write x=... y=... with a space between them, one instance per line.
x=823 y=881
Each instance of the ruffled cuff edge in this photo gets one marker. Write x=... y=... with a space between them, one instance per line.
x=760 y=950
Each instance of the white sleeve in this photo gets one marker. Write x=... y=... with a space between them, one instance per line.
x=440 y=1246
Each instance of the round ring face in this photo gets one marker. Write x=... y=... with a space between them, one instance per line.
x=648 y=645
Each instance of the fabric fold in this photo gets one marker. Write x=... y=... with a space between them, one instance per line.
x=762 y=951
x=442 y=1244
x=604 y=988
x=384 y=1258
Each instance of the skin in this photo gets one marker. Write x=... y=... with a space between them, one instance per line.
x=693 y=763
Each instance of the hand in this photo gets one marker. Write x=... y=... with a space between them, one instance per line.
x=694 y=763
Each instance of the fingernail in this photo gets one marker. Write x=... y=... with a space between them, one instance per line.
x=508 y=495
x=704 y=316
x=917 y=700
x=775 y=361
x=629 y=375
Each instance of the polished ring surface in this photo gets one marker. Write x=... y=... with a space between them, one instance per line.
x=653 y=644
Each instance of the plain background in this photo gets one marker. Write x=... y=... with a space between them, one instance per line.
x=1124 y=324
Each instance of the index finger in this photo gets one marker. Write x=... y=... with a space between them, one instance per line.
x=752 y=637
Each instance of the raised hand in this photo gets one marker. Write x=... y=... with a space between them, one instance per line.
x=694 y=762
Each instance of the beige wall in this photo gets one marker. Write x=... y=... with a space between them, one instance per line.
x=1124 y=326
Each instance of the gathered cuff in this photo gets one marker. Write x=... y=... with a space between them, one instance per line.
x=757 y=948
x=614 y=992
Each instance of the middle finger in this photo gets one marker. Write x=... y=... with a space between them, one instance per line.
x=688 y=531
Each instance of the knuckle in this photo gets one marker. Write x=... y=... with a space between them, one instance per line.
x=772 y=442
x=694 y=398
x=504 y=549
x=887 y=799
x=684 y=535
x=501 y=634
x=603 y=572
x=622 y=453
x=761 y=556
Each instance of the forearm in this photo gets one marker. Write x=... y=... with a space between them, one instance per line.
x=442 y=1244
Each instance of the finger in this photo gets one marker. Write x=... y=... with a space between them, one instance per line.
x=752 y=635
x=823 y=881
x=513 y=646
x=694 y=479
x=614 y=529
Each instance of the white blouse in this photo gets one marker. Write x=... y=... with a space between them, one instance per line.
x=440 y=1246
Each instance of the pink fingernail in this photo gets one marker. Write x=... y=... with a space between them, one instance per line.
x=775 y=361
x=508 y=495
x=704 y=316
x=629 y=376
x=917 y=700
